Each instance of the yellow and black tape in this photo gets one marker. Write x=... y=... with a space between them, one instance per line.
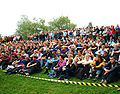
x=72 y=82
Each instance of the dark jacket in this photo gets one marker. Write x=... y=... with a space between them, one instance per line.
x=112 y=67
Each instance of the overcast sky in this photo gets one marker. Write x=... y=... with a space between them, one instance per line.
x=80 y=12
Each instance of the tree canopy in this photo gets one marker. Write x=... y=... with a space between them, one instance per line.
x=26 y=26
x=61 y=23
x=90 y=24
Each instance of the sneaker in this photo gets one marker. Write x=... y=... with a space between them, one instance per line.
x=66 y=79
x=105 y=82
x=4 y=71
x=45 y=72
x=54 y=76
x=90 y=77
x=27 y=74
x=101 y=81
x=60 y=78
x=96 y=78
x=118 y=89
x=85 y=76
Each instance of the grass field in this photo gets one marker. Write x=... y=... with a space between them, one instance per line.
x=14 y=84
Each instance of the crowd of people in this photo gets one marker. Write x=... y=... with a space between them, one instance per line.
x=10 y=38
x=83 y=53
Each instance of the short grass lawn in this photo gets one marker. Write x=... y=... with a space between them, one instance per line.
x=14 y=84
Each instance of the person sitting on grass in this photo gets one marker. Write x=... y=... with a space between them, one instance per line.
x=86 y=63
x=116 y=52
x=20 y=62
x=110 y=73
x=68 y=71
x=9 y=64
x=16 y=65
x=59 y=65
x=34 y=66
x=96 y=66
x=106 y=57
x=4 y=59
x=51 y=63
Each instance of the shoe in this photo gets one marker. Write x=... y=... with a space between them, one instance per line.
x=90 y=77
x=105 y=82
x=101 y=81
x=96 y=78
x=9 y=73
x=85 y=76
x=60 y=78
x=46 y=71
x=27 y=74
x=66 y=79
x=4 y=71
x=54 y=76
x=118 y=89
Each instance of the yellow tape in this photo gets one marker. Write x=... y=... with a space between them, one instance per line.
x=84 y=83
x=89 y=84
x=99 y=85
x=73 y=82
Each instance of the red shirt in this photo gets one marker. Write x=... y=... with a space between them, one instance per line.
x=113 y=30
x=1 y=39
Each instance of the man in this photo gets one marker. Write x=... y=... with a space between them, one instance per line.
x=34 y=65
x=51 y=63
x=106 y=56
x=5 y=58
x=86 y=63
x=96 y=66
x=100 y=52
x=35 y=53
x=110 y=73
x=116 y=52
x=12 y=59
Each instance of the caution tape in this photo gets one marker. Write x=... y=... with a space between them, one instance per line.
x=73 y=82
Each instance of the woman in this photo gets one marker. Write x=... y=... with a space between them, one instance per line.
x=59 y=65
x=68 y=71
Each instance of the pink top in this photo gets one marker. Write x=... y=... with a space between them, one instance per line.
x=61 y=63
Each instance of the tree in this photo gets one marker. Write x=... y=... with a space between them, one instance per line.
x=61 y=23
x=90 y=24
x=25 y=26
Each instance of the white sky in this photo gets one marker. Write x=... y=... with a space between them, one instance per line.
x=80 y=12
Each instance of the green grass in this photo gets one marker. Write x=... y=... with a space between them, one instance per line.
x=14 y=84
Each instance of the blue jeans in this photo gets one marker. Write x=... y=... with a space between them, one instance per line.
x=41 y=61
x=47 y=63
x=97 y=71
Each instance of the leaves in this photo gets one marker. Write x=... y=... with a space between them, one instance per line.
x=61 y=23
x=90 y=24
x=26 y=26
